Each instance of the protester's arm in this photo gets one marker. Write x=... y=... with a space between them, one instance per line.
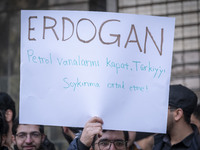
x=68 y=134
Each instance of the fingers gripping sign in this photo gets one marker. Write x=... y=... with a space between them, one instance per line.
x=92 y=127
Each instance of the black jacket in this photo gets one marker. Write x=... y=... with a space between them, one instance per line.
x=192 y=142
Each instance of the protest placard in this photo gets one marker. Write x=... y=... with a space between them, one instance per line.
x=79 y=64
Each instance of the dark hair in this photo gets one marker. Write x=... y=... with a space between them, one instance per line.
x=184 y=98
x=196 y=112
x=6 y=102
x=126 y=137
x=3 y=126
x=187 y=117
x=185 y=113
x=16 y=124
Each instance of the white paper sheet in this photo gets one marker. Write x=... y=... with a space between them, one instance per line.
x=79 y=64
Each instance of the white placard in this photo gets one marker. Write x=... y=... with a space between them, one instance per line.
x=79 y=64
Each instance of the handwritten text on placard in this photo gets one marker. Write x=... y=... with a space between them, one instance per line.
x=82 y=64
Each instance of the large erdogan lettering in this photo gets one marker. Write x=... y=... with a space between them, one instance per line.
x=50 y=23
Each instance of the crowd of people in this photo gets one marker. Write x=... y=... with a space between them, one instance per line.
x=183 y=128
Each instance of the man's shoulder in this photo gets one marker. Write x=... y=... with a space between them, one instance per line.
x=160 y=139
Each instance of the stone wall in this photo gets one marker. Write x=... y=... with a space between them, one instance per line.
x=186 y=55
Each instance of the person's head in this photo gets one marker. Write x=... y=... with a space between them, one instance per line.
x=7 y=105
x=27 y=137
x=111 y=140
x=182 y=102
x=195 y=118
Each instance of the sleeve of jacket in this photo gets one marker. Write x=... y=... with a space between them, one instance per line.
x=158 y=142
x=76 y=144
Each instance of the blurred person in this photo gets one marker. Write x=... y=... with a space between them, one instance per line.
x=7 y=106
x=70 y=133
x=181 y=135
x=144 y=141
x=3 y=131
x=94 y=137
x=27 y=137
x=47 y=144
x=195 y=117
x=1 y=128
x=141 y=141
x=131 y=144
